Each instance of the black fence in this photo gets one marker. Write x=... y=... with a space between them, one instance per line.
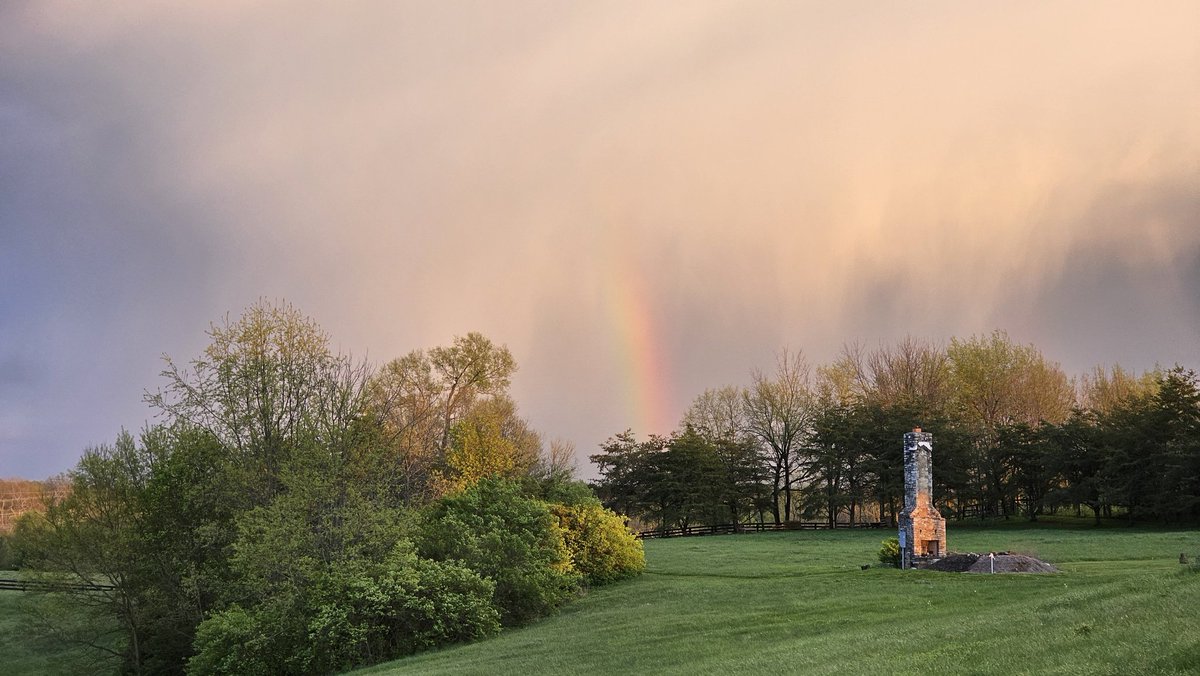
x=51 y=585
x=732 y=528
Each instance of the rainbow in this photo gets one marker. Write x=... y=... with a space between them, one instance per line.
x=638 y=346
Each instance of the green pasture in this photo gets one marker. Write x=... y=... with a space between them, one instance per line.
x=799 y=602
x=29 y=647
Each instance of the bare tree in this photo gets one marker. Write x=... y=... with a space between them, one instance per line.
x=718 y=415
x=778 y=411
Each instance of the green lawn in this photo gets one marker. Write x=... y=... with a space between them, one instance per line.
x=24 y=651
x=798 y=602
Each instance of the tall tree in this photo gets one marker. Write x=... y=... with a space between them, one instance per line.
x=1103 y=389
x=779 y=412
x=266 y=384
x=417 y=401
x=998 y=383
x=718 y=414
x=491 y=440
x=1076 y=457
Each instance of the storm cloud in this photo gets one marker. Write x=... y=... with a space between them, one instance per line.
x=734 y=177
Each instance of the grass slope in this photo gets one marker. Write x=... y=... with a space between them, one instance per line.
x=23 y=651
x=798 y=602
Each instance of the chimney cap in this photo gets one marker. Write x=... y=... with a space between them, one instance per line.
x=917 y=430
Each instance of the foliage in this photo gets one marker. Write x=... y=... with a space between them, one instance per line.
x=233 y=641
x=266 y=385
x=682 y=480
x=268 y=524
x=1011 y=438
x=354 y=613
x=601 y=547
x=889 y=552
x=93 y=537
x=420 y=403
x=413 y=604
x=330 y=577
x=495 y=531
x=557 y=490
x=490 y=441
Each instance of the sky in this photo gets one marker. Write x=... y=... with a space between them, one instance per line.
x=641 y=200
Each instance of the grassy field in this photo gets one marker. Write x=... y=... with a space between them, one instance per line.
x=24 y=651
x=799 y=602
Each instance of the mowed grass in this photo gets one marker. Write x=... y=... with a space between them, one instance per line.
x=798 y=602
x=24 y=651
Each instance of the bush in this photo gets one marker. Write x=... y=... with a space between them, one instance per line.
x=889 y=553
x=501 y=535
x=234 y=641
x=602 y=549
x=415 y=604
x=354 y=613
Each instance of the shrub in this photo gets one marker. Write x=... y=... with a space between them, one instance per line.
x=602 y=549
x=501 y=535
x=234 y=641
x=415 y=604
x=889 y=553
x=351 y=614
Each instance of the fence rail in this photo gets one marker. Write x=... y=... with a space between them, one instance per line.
x=732 y=528
x=49 y=585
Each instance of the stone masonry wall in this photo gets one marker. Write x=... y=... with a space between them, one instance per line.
x=923 y=526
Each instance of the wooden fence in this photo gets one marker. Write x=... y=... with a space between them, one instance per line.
x=51 y=585
x=732 y=528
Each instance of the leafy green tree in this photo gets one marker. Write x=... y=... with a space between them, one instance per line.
x=1152 y=454
x=719 y=418
x=838 y=463
x=266 y=384
x=91 y=537
x=152 y=520
x=996 y=383
x=470 y=367
x=627 y=473
x=1103 y=389
x=1027 y=453
x=494 y=530
x=1076 y=457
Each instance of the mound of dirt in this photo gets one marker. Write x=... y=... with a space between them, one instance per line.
x=1012 y=563
x=982 y=563
x=954 y=563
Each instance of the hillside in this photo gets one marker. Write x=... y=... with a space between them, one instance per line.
x=800 y=603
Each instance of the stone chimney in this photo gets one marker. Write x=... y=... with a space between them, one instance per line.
x=922 y=528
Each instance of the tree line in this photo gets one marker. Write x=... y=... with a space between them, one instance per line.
x=1013 y=436
x=295 y=511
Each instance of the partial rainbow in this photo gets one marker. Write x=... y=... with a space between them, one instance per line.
x=637 y=340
